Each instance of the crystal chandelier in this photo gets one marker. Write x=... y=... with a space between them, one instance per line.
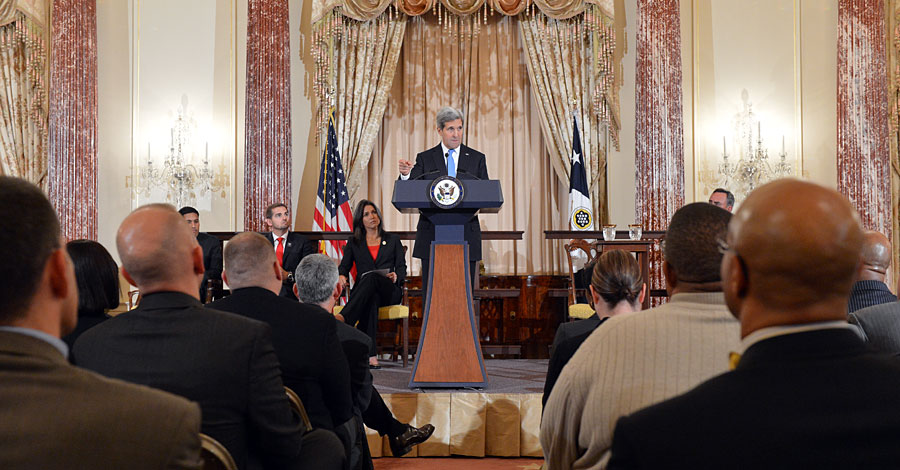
x=753 y=168
x=182 y=180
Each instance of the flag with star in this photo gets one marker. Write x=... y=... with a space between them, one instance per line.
x=581 y=216
x=333 y=213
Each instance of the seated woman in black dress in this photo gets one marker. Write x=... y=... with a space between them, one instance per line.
x=616 y=288
x=97 y=276
x=371 y=249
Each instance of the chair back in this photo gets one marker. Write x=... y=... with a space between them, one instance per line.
x=214 y=455
x=590 y=250
x=297 y=407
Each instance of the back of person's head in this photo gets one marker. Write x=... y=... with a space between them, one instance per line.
x=316 y=277
x=248 y=259
x=157 y=247
x=691 y=245
x=876 y=257
x=617 y=277
x=29 y=234
x=794 y=248
x=97 y=275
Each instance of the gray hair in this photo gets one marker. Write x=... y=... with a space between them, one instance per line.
x=445 y=115
x=316 y=276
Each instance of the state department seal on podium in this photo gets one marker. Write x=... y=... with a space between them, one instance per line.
x=446 y=192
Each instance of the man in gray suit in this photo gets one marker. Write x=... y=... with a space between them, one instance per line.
x=54 y=415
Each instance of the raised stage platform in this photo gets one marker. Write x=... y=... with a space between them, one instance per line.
x=503 y=420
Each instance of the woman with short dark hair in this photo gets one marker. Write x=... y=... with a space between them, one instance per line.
x=379 y=254
x=97 y=276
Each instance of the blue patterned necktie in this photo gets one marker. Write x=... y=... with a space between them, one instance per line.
x=451 y=164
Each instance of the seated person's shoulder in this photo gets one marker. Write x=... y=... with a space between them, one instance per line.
x=124 y=399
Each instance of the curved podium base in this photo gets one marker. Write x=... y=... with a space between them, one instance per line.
x=449 y=353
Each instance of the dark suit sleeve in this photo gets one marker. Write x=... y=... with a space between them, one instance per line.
x=310 y=247
x=482 y=168
x=853 y=319
x=399 y=260
x=214 y=271
x=269 y=410
x=623 y=453
x=347 y=260
x=335 y=378
x=419 y=168
x=355 y=345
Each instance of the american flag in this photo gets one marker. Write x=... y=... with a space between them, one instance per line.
x=333 y=212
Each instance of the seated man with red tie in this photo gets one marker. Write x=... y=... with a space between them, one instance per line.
x=290 y=247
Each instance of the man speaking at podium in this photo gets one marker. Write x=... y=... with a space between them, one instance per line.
x=447 y=158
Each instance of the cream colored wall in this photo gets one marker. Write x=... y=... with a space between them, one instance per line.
x=118 y=113
x=114 y=108
x=814 y=108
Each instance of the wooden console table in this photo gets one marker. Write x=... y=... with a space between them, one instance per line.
x=639 y=247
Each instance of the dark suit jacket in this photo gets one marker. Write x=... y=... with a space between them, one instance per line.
x=818 y=399
x=312 y=362
x=470 y=165
x=390 y=256
x=56 y=416
x=880 y=326
x=569 y=337
x=356 y=346
x=296 y=248
x=85 y=322
x=224 y=362
x=212 y=261
x=868 y=293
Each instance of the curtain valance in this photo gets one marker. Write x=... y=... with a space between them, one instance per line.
x=365 y=10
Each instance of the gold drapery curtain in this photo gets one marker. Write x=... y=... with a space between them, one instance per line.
x=23 y=96
x=445 y=65
x=364 y=71
x=560 y=64
x=353 y=46
x=364 y=10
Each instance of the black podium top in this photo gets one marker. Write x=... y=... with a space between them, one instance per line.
x=482 y=195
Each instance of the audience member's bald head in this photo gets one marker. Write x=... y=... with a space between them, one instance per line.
x=157 y=248
x=876 y=257
x=795 y=247
x=248 y=260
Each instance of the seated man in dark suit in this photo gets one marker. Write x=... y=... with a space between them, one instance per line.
x=212 y=253
x=790 y=260
x=870 y=288
x=289 y=247
x=312 y=363
x=318 y=283
x=54 y=415
x=223 y=361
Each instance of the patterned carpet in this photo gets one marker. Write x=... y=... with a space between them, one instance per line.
x=454 y=463
x=504 y=376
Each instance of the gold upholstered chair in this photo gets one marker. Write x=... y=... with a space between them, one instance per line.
x=579 y=311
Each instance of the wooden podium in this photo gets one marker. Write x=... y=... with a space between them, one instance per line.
x=449 y=353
